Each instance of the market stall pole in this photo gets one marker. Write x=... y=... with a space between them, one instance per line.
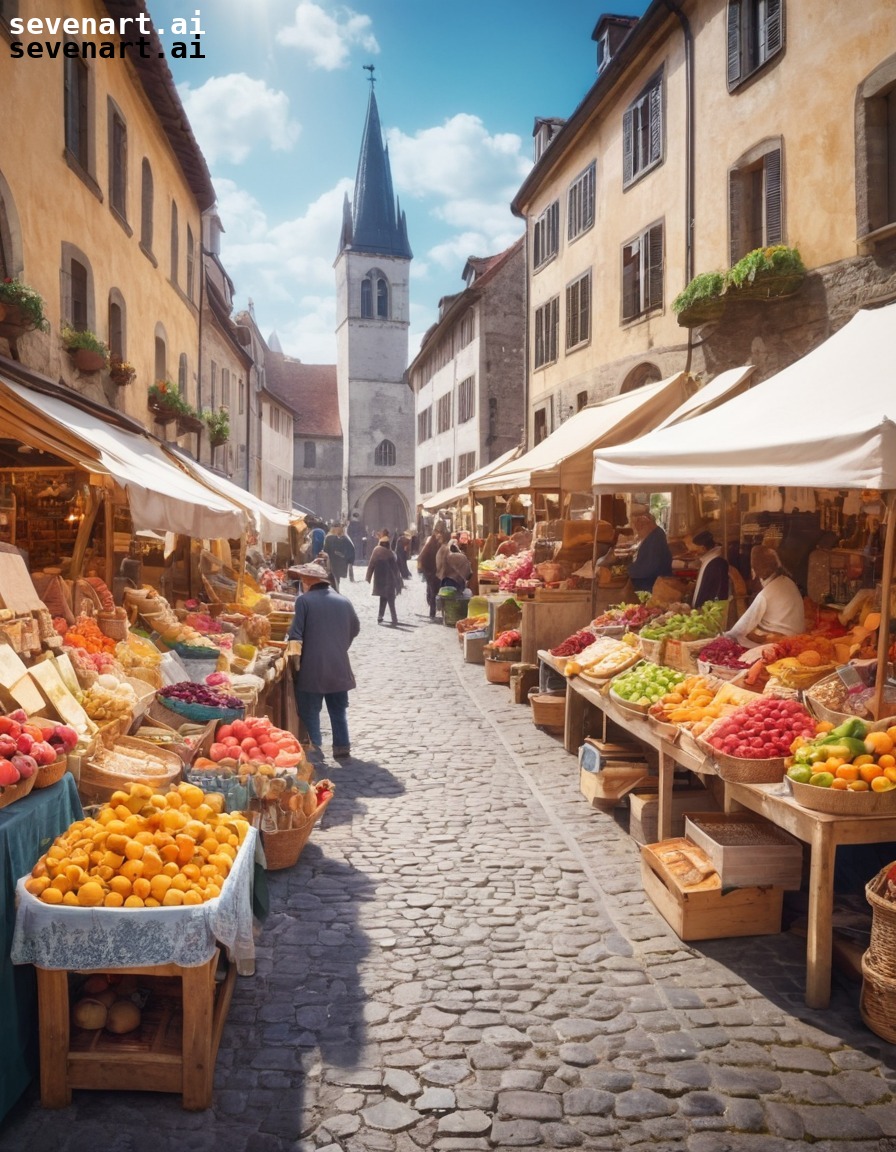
x=883 y=636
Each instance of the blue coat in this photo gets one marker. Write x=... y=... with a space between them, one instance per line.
x=326 y=624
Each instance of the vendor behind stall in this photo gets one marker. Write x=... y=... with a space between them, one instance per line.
x=712 y=575
x=653 y=557
x=777 y=607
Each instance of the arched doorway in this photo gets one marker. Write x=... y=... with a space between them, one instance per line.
x=640 y=375
x=384 y=508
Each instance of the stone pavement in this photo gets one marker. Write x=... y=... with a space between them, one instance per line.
x=464 y=959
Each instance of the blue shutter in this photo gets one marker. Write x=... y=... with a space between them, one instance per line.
x=734 y=43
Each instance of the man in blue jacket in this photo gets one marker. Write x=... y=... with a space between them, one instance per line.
x=322 y=631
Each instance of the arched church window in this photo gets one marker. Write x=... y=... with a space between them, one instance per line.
x=366 y=300
x=375 y=296
x=384 y=457
x=382 y=299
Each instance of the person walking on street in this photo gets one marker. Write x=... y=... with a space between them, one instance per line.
x=403 y=554
x=340 y=552
x=454 y=569
x=317 y=538
x=322 y=631
x=426 y=566
x=387 y=582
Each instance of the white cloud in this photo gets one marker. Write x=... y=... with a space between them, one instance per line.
x=229 y=114
x=327 y=39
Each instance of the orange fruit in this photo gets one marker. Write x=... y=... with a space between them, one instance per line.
x=134 y=902
x=173 y=897
x=870 y=772
x=882 y=784
x=878 y=742
x=838 y=784
x=847 y=772
x=133 y=850
x=121 y=885
x=866 y=759
x=859 y=786
x=891 y=732
x=51 y=895
x=113 y=900
x=142 y=887
x=886 y=761
x=890 y=774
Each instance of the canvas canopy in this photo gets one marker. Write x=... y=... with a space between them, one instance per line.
x=462 y=490
x=271 y=524
x=711 y=395
x=826 y=421
x=160 y=495
x=563 y=461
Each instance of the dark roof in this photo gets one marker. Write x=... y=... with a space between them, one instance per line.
x=159 y=86
x=309 y=390
x=374 y=222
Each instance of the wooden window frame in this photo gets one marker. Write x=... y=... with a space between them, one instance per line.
x=756 y=199
x=466 y=405
x=546 y=236
x=547 y=327
x=443 y=413
x=426 y=479
x=643 y=133
x=755 y=36
x=580 y=201
x=578 y=312
x=642 y=272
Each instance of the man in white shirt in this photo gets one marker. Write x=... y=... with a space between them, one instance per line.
x=778 y=606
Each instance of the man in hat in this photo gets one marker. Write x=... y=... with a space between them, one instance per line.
x=322 y=631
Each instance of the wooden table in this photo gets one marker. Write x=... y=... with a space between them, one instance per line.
x=824 y=834
x=160 y=1066
x=579 y=694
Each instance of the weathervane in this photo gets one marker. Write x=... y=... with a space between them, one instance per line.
x=369 y=68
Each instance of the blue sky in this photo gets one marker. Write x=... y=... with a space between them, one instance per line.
x=278 y=108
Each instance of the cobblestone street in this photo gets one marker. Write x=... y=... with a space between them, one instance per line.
x=464 y=960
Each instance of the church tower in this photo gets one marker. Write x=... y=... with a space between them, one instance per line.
x=376 y=406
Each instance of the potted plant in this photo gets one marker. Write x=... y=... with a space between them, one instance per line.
x=218 y=425
x=21 y=309
x=120 y=371
x=88 y=352
x=703 y=300
x=766 y=274
x=165 y=402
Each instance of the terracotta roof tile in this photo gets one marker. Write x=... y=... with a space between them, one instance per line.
x=308 y=389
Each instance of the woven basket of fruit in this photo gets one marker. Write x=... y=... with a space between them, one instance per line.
x=828 y=698
x=843 y=802
x=877 y=1004
x=48 y=774
x=652 y=650
x=11 y=792
x=750 y=746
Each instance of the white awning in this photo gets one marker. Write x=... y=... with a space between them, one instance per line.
x=563 y=461
x=160 y=495
x=826 y=421
x=271 y=524
x=711 y=395
x=462 y=490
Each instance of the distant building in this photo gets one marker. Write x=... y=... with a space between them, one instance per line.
x=376 y=406
x=309 y=390
x=469 y=377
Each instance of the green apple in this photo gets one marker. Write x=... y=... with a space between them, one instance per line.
x=801 y=773
x=822 y=779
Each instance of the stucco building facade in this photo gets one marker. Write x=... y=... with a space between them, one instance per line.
x=708 y=133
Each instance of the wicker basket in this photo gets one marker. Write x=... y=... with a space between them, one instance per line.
x=497 y=671
x=822 y=712
x=49 y=774
x=877 y=1003
x=664 y=728
x=682 y=655
x=12 y=792
x=282 y=849
x=702 y=311
x=842 y=802
x=881 y=954
x=638 y=710
x=96 y=784
x=548 y=709
x=736 y=770
x=115 y=627
x=719 y=671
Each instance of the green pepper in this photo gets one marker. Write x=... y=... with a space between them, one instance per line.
x=853 y=729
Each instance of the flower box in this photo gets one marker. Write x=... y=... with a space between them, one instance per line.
x=14 y=321
x=187 y=423
x=161 y=412
x=86 y=360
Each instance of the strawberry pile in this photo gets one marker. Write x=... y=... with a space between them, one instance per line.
x=763 y=729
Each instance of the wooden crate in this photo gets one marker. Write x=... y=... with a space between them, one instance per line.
x=522 y=678
x=593 y=753
x=706 y=911
x=474 y=649
x=604 y=789
x=747 y=849
x=643 y=825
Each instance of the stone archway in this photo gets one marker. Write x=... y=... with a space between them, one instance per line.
x=640 y=375
x=384 y=508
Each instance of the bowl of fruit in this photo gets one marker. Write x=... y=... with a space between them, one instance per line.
x=642 y=686
x=751 y=745
x=849 y=770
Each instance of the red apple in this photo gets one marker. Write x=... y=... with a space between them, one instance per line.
x=9 y=774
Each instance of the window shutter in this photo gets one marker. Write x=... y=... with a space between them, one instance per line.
x=773 y=28
x=774 y=215
x=656 y=122
x=539 y=338
x=735 y=216
x=627 y=147
x=734 y=48
x=588 y=207
x=631 y=304
x=571 y=315
x=554 y=312
x=585 y=308
x=653 y=297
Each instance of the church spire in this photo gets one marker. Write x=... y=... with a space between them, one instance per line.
x=376 y=225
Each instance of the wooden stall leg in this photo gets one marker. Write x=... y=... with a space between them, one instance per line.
x=666 y=772
x=197 y=1050
x=52 y=1006
x=573 y=720
x=821 y=909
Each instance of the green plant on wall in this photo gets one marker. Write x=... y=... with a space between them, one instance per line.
x=218 y=425
x=29 y=302
x=704 y=286
x=166 y=394
x=778 y=260
x=75 y=338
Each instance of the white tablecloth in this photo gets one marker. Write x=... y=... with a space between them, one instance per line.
x=59 y=936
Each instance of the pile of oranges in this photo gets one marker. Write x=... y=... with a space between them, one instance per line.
x=142 y=850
